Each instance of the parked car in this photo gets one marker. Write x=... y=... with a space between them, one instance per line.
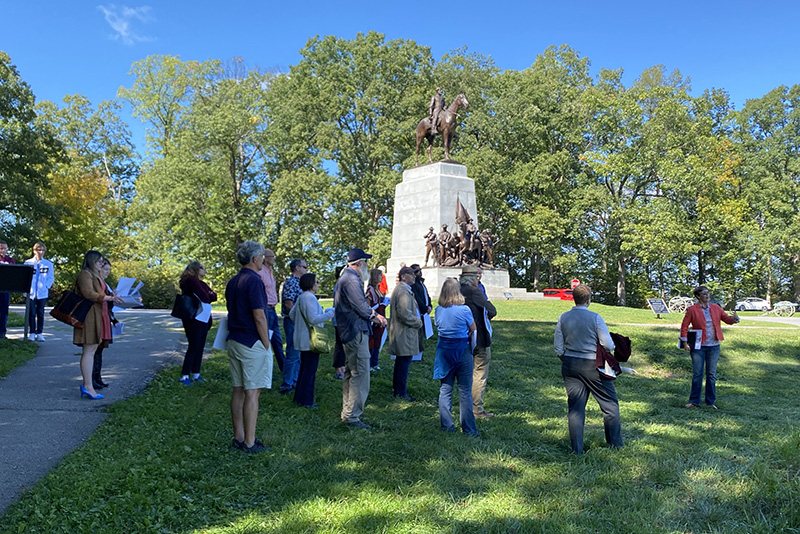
x=752 y=303
x=563 y=294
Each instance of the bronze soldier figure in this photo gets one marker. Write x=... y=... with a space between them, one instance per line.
x=431 y=245
x=434 y=108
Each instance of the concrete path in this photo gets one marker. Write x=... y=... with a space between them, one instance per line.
x=42 y=415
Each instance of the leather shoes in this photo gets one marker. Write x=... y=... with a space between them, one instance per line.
x=97 y=385
x=102 y=383
x=484 y=415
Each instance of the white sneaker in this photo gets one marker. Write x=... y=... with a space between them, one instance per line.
x=32 y=337
x=39 y=337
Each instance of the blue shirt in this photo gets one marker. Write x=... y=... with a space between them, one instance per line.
x=453 y=321
x=244 y=293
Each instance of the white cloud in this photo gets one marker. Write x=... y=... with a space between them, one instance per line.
x=121 y=18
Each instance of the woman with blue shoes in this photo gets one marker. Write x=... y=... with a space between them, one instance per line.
x=96 y=330
x=191 y=283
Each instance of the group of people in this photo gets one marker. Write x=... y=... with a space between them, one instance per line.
x=463 y=352
x=360 y=322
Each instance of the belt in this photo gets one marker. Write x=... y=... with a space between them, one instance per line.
x=271 y=306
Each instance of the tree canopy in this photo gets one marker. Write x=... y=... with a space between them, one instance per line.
x=639 y=189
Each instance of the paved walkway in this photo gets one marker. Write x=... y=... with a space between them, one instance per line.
x=42 y=415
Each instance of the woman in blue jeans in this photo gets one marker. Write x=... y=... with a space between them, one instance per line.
x=454 y=357
x=704 y=316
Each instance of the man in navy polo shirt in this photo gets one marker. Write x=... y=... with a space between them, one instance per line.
x=248 y=337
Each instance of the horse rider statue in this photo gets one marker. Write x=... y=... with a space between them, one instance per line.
x=435 y=108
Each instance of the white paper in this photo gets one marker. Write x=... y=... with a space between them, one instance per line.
x=414 y=358
x=204 y=314
x=426 y=320
x=383 y=339
x=128 y=302
x=124 y=285
x=116 y=329
x=487 y=322
x=221 y=341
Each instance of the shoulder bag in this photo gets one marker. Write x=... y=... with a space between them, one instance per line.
x=71 y=309
x=321 y=339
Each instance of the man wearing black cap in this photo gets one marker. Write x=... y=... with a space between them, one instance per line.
x=353 y=318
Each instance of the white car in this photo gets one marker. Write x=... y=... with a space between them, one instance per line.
x=752 y=303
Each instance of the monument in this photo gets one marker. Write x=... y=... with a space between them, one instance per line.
x=429 y=196
x=436 y=201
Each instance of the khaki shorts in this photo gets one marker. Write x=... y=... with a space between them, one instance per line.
x=251 y=367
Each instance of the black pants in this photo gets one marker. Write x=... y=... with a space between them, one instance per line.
x=97 y=369
x=400 y=375
x=580 y=379
x=36 y=315
x=307 y=378
x=196 y=333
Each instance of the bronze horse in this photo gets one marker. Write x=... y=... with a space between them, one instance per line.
x=447 y=126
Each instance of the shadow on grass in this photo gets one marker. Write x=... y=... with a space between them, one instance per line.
x=162 y=462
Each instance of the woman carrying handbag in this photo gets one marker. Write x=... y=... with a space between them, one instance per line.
x=306 y=314
x=96 y=328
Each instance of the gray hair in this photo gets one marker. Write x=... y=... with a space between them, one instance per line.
x=248 y=250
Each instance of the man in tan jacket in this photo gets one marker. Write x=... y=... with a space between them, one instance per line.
x=404 y=325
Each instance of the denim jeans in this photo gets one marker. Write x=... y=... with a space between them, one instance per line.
x=276 y=340
x=462 y=373
x=36 y=315
x=708 y=357
x=291 y=363
x=581 y=378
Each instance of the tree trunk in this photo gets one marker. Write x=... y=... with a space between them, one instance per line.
x=701 y=268
x=622 y=271
x=769 y=281
x=795 y=262
x=536 y=266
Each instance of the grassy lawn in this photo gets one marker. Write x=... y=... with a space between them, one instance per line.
x=14 y=353
x=161 y=462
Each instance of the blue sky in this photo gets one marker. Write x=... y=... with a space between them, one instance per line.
x=87 y=47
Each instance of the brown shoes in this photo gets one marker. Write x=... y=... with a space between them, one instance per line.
x=692 y=405
x=484 y=415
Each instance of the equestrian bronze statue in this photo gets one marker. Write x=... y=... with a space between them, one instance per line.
x=446 y=126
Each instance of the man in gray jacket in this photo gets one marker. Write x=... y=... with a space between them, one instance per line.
x=577 y=335
x=482 y=311
x=353 y=318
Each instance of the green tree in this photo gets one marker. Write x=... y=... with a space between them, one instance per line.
x=769 y=131
x=27 y=154
x=92 y=185
x=343 y=119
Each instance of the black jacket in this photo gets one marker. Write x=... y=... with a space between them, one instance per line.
x=477 y=302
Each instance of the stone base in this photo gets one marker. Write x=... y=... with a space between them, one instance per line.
x=496 y=282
